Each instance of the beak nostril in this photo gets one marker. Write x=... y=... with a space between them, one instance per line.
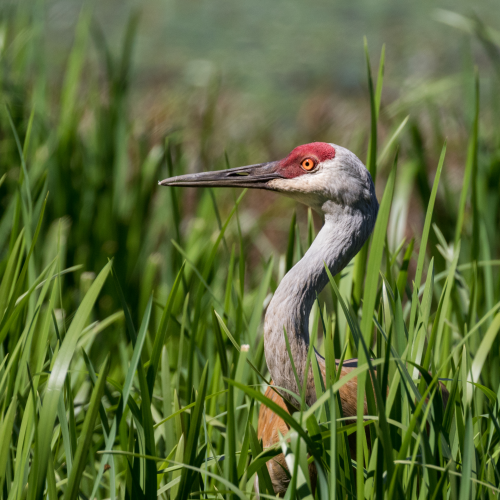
x=238 y=174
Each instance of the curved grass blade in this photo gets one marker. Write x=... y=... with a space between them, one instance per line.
x=392 y=140
x=485 y=348
x=162 y=333
x=423 y=243
x=6 y=427
x=56 y=380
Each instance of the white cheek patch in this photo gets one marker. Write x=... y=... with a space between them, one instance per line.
x=304 y=189
x=314 y=183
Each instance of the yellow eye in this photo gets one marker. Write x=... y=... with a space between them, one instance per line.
x=307 y=164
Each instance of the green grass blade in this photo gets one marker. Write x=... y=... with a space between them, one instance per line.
x=423 y=241
x=69 y=99
x=256 y=318
x=6 y=427
x=85 y=441
x=485 y=348
x=9 y=274
x=392 y=140
x=25 y=180
x=403 y=273
x=192 y=439
x=375 y=259
x=220 y=344
x=179 y=457
x=470 y=163
x=297 y=380
x=58 y=375
x=230 y=467
x=468 y=452
x=242 y=462
x=160 y=337
x=265 y=483
x=380 y=80
x=371 y=159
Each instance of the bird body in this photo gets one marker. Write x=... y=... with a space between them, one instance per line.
x=350 y=215
x=335 y=183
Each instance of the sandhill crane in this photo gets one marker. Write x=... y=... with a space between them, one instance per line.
x=335 y=183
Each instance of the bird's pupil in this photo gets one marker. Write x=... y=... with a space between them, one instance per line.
x=307 y=164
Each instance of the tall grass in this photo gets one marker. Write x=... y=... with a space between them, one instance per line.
x=124 y=307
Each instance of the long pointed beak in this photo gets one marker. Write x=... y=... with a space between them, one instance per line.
x=252 y=176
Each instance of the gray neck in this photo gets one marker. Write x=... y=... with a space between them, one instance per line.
x=342 y=236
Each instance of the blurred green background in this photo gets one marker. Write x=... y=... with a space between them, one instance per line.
x=102 y=99
x=275 y=53
x=124 y=93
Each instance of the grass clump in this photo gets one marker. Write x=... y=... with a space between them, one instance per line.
x=124 y=309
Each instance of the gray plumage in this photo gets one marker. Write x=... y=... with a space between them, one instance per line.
x=342 y=190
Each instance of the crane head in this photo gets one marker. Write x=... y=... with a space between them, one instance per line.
x=320 y=175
